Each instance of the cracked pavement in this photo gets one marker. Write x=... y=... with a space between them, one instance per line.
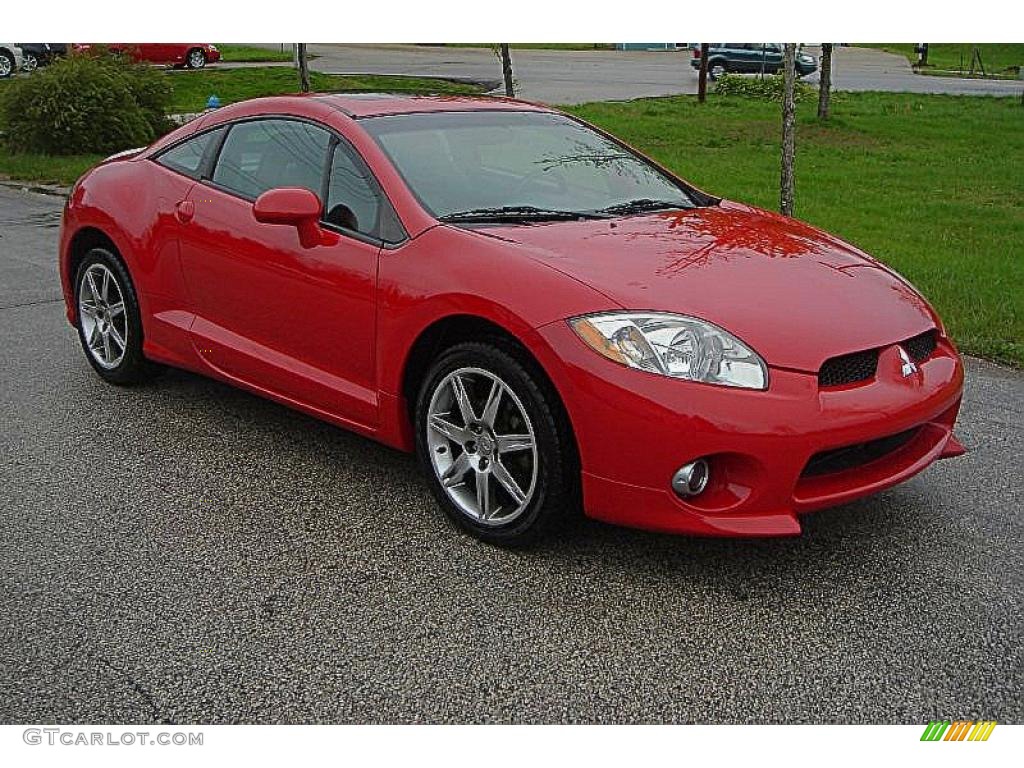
x=188 y=553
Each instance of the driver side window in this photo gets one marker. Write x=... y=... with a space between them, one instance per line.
x=352 y=201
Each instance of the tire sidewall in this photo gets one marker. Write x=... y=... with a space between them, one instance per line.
x=133 y=366
x=551 y=458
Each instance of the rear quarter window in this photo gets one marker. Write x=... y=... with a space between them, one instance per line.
x=187 y=157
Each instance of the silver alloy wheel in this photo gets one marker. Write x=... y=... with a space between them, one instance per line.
x=102 y=314
x=5 y=65
x=482 y=446
x=197 y=59
x=29 y=63
x=717 y=71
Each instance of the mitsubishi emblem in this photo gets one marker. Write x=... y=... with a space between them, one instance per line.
x=909 y=367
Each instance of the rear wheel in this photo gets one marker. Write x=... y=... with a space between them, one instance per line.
x=196 y=59
x=490 y=438
x=717 y=69
x=109 y=323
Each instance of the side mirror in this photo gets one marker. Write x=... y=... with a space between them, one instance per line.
x=297 y=207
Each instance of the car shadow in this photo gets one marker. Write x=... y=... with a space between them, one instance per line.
x=837 y=545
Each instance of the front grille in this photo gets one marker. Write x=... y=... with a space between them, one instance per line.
x=920 y=347
x=861 y=366
x=852 y=456
x=848 y=369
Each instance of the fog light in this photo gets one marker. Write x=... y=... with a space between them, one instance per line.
x=691 y=479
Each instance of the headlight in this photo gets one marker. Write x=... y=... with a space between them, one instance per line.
x=674 y=345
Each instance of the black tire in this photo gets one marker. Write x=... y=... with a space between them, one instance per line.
x=716 y=63
x=195 y=59
x=29 y=62
x=7 y=70
x=555 y=498
x=133 y=367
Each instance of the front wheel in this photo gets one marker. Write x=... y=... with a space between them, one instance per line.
x=497 y=452
x=196 y=59
x=6 y=65
x=109 y=322
x=29 y=62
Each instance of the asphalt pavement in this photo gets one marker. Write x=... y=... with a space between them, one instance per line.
x=185 y=552
x=573 y=77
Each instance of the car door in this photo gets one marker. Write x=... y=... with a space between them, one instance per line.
x=294 y=321
x=736 y=55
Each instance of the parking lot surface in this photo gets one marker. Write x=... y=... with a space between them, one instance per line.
x=185 y=552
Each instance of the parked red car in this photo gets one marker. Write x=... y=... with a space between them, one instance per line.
x=191 y=55
x=547 y=317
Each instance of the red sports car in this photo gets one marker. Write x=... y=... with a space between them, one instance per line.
x=548 y=318
x=191 y=55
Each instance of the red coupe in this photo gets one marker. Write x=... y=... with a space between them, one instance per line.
x=191 y=55
x=548 y=318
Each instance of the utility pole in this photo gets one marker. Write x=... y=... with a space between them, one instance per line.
x=825 y=81
x=786 y=181
x=702 y=73
x=506 y=70
x=303 y=64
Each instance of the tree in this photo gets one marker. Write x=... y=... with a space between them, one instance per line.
x=788 y=129
x=825 y=82
x=303 y=64
x=702 y=75
x=506 y=70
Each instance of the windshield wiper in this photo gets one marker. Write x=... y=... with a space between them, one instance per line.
x=524 y=213
x=643 y=204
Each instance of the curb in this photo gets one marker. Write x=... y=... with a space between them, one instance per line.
x=56 y=190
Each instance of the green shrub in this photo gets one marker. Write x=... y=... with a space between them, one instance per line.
x=86 y=104
x=767 y=88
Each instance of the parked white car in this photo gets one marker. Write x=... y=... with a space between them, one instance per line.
x=10 y=59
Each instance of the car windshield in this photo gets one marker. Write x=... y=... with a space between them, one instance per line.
x=508 y=166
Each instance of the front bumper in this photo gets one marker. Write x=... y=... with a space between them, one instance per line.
x=636 y=429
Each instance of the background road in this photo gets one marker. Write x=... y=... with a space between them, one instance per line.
x=185 y=552
x=572 y=77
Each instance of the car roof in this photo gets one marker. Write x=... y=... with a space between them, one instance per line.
x=359 y=105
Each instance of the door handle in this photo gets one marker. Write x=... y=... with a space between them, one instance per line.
x=184 y=211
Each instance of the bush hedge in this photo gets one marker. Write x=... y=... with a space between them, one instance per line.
x=767 y=88
x=81 y=104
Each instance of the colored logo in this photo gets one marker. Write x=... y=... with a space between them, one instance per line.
x=958 y=730
x=909 y=367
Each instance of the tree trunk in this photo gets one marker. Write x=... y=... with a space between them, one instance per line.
x=825 y=82
x=702 y=74
x=506 y=70
x=303 y=67
x=788 y=130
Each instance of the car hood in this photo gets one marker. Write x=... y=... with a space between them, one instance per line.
x=795 y=294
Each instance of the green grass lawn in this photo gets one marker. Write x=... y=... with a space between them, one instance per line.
x=230 y=52
x=998 y=58
x=193 y=88
x=931 y=185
